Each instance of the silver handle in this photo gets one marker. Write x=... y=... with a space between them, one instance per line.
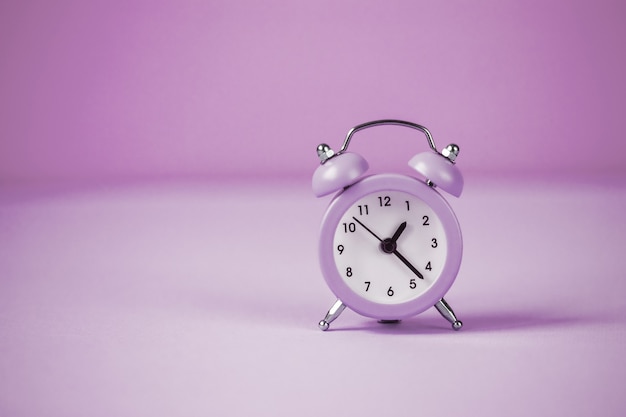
x=363 y=126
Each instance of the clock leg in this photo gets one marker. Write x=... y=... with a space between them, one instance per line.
x=332 y=314
x=446 y=311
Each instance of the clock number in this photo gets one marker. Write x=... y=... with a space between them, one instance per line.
x=367 y=283
x=434 y=245
x=425 y=218
x=364 y=210
x=349 y=227
x=390 y=292
x=428 y=267
x=412 y=284
x=408 y=206
x=340 y=248
x=348 y=272
x=384 y=201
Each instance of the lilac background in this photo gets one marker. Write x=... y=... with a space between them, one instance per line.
x=158 y=232
x=140 y=89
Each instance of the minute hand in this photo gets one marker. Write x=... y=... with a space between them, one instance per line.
x=366 y=228
x=395 y=252
x=408 y=264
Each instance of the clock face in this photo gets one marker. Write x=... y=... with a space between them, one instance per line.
x=389 y=247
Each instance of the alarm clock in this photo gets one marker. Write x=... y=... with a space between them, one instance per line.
x=390 y=245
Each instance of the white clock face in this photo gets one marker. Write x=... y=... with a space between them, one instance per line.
x=389 y=247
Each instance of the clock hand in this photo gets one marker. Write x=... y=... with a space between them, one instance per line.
x=366 y=228
x=392 y=248
x=389 y=245
x=408 y=264
x=396 y=235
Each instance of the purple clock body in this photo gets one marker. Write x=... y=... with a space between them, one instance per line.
x=344 y=200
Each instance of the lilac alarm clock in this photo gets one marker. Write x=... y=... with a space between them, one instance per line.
x=390 y=245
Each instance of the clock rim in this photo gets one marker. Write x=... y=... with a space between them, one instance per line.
x=390 y=182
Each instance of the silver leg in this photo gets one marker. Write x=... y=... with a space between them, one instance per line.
x=446 y=311
x=332 y=314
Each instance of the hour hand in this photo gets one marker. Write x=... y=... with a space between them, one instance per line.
x=398 y=232
x=389 y=245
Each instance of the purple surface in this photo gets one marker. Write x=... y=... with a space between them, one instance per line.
x=190 y=299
